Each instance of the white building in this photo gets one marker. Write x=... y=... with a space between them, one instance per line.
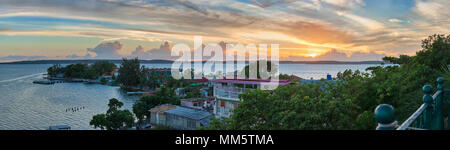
x=226 y=93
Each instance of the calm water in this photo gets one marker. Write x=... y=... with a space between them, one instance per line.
x=28 y=106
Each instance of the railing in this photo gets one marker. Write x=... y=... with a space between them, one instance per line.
x=429 y=116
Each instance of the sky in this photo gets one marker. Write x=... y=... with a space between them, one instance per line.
x=306 y=30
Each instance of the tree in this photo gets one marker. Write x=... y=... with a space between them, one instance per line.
x=306 y=106
x=144 y=104
x=55 y=69
x=193 y=91
x=120 y=119
x=90 y=73
x=114 y=118
x=129 y=73
x=141 y=108
x=114 y=105
x=74 y=71
x=402 y=59
x=99 y=121
x=103 y=67
x=150 y=79
x=435 y=52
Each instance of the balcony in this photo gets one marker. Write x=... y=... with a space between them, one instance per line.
x=228 y=93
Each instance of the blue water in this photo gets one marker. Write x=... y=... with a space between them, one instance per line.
x=28 y=106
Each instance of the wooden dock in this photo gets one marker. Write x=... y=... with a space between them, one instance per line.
x=47 y=82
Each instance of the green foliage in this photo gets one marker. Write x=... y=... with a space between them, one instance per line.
x=141 y=107
x=292 y=107
x=55 y=69
x=103 y=67
x=81 y=70
x=403 y=59
x=74 y=71
x=90 y=73
x=130 y=73
x=217 y=124
x=120 y=119
x=193 y=91
x=145 y=103
x=349 y=102
x=99 y=121
x=103 y=80
x=284 y=77
x=174 y=83
x=435 y=52
x=114 y=118
x=114 y=105
x=366 y=121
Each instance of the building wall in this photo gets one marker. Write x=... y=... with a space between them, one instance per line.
x=223 y=108
x=196 y=104
x=181 y=123
x=158 y=119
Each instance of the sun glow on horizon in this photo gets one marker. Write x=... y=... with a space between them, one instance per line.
x=312 y=55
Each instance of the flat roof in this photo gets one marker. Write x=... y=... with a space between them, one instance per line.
x=162 y=108
x=189 y=113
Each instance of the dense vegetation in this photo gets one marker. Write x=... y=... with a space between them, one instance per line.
x=144 y=104
x=82 y=71
x=133 y=75
x=114 y=118
x=130 y=73
x=347 y=103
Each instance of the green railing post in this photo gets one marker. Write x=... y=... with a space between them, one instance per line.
x=428 y=112
x=439 y=111
x=385 y=116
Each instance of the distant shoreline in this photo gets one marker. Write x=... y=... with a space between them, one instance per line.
x=170 y=61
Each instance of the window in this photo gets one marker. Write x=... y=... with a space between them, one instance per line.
x=222 y=103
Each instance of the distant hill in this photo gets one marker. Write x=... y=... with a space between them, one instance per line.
x=170 y=61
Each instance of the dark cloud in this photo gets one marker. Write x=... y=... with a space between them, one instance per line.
x=268 y=3
x=192 y=6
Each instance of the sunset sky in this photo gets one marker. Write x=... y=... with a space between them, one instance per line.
x=350 y=30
